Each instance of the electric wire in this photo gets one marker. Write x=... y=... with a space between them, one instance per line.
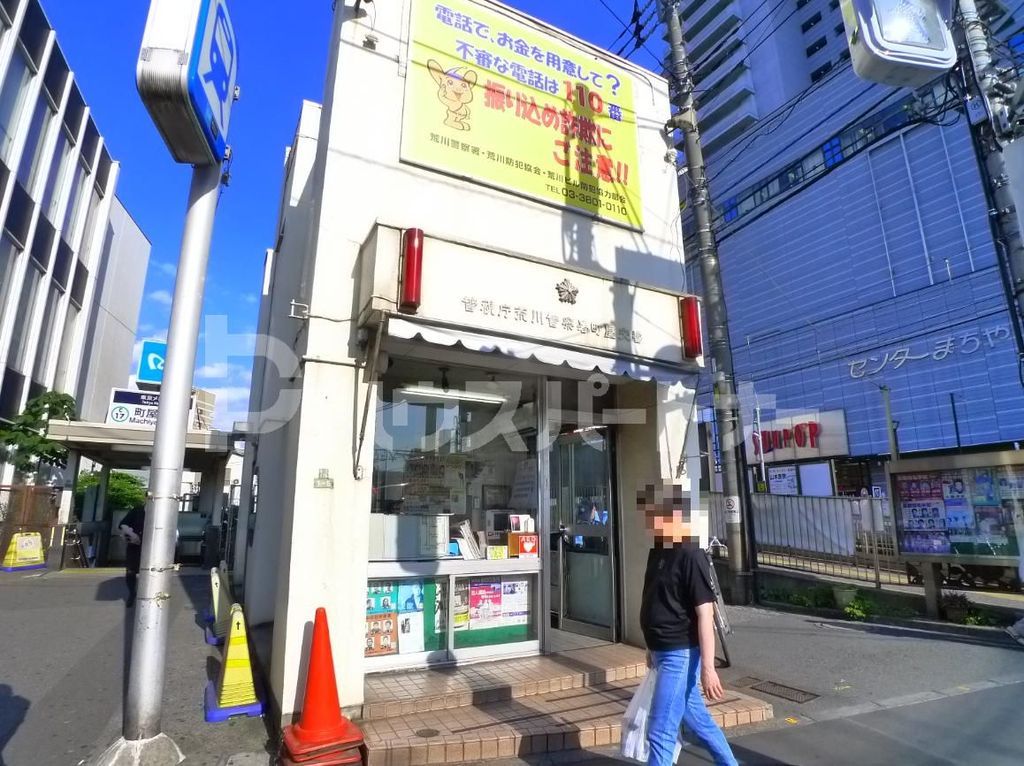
x=791 y=105
x=803 y=136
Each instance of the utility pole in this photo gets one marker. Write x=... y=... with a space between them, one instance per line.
x=727 y=415
x=989 y=135
x=890 y=426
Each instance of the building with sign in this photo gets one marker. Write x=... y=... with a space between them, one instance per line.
x=72 y=260
x=477 y=345
x=857 y=252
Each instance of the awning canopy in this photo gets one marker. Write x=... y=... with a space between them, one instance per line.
x=132 y=448
x=553 y=355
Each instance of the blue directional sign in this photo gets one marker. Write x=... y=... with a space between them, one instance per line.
x=187 y=73
x=213 y=73
x=151 y=362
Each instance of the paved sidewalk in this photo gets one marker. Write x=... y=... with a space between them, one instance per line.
x=64 y=636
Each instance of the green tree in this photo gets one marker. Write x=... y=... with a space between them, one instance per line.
x=123 y=489
x=23 y=441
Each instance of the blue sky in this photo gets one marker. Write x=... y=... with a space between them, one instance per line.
x=283 y=57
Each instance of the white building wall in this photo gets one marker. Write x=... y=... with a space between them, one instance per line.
x=107 y=351
x=320 y=534
x=71 y=265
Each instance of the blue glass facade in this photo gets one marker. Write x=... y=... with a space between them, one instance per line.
x=877 y=266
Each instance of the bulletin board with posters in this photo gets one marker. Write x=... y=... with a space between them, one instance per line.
x=960 y=507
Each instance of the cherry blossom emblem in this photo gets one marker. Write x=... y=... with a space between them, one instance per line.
x=567 y=292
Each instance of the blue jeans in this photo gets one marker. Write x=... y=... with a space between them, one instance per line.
x=677 y=700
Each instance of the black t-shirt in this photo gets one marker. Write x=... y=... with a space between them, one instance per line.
x=678 y=580
x=136 y=521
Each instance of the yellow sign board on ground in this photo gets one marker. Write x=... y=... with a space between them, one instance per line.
x=493 y=100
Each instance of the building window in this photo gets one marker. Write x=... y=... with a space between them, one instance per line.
x=833 y=151
x=730 y=211
x=33 y=157
x=802 y=3
x=17 y=357
x=844 y=54
x=816 y=46
x=840 y=30
x=58 y=176
x=75 y=203
x=810 y=23
x=66 y=342
x=46 y=332
x=12 y=99
x=833 y=4
x=821 y=71
x=9 y=252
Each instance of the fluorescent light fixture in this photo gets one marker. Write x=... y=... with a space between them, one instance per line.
x=427 y=392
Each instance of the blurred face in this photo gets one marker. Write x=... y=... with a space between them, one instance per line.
x=668 y=515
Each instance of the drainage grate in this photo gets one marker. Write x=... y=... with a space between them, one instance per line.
x=746 y=681
x=784 y=692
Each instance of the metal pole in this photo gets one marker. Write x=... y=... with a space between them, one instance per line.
x=727 y=414
x=894 y=449
x=1004 y=213
x=152 y=612
x=956 y=419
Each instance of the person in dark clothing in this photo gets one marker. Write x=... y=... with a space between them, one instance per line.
x=131 y=529
x=677 y=618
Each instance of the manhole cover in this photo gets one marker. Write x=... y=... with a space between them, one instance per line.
x=427 y=733
x=746 y=681
x=784 y=692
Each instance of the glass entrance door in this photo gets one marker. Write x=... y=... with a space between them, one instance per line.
x=583 y=552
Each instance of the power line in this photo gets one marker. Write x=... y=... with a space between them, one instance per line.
x=796 y=140
x=791 y=105
x=626 y=26
x=750 y=32
x=828 y=170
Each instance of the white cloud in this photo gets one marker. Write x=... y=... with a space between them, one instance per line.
x=251 y=298
x=166 y=268
x=162 y=297
x=219 y=370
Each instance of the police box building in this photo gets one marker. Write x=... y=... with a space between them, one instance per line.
x=476 y=347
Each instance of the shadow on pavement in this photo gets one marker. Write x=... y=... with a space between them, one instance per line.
x=13 y=709
x=111 y=589
x=997 y=640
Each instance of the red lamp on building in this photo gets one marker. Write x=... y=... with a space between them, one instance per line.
x=689 y=321
x=411 y=282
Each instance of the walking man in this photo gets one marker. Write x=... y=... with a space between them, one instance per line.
x=131 y=529
x=678 y=621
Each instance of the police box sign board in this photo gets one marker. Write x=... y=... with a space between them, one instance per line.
x=799 y=436
x=137 y=409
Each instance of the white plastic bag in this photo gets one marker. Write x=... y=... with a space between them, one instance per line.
x=634 y=744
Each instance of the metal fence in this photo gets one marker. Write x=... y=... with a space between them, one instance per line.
x=851 y=537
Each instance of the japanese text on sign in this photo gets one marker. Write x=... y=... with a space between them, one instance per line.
x=523 y=315
x=966 y=342
x=494 y=100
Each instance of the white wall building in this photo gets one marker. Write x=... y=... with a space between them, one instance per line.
x=376 y=380
x=65 y=237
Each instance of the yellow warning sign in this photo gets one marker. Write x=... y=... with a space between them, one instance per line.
x=25 y=551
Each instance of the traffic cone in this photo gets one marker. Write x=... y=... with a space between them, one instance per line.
x=237 y=691
x=25 y=551
x=322 y=733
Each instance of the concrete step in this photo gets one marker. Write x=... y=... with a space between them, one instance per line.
x=390 y=695
x=562 y=719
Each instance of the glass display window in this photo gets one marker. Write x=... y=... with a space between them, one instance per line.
x=406 y=616
x=455 y=465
